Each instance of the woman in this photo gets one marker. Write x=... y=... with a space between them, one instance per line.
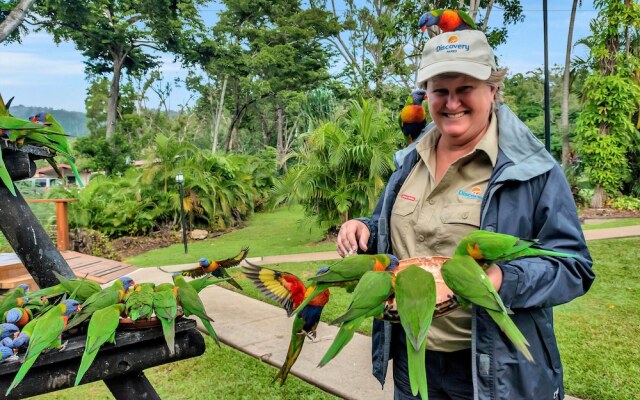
x=479 y=168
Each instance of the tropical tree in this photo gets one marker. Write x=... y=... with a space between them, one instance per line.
x=604 y=129
x=341 y=169
x=11 y=17
x=566 y=81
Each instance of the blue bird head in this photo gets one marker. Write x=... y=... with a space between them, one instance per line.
x=427 y=19
x=24 y=287
x=71 y=306
x=6 y=352
x=13 y=315
x=39 y=117
x=7 y=342
x=204 y=263
x=127 y=282
x=7 y=330
x=21 y=340
x=418 y=96
x=393 y=264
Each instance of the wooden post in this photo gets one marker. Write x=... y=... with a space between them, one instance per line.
x=62 y=226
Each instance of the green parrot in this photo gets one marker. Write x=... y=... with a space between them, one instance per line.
x=165 y=307
x=102 y=329
x=192 y=305
x=489 y=248
x=369 y=297
x=139 y=302
x=472 y=285
x=108 y=296
x=79 y=289
x=206 y=281
x=13 y=298
x=347 y=272
x=46 y=334
x=415 y=291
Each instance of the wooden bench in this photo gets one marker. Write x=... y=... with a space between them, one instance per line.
x=101 y=270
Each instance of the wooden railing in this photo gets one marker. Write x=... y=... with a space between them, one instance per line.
x=62 y=220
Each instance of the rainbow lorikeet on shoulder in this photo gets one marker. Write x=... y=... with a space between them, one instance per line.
x=289 y=291
x=102 y=329
x=490 y=247
x=470 y=283
x=413 y=117
x=369 y=298
x=447 y=20
x=105 y=298
x=192 y=305
x=415 y=296
x=347 y=271
x=46 y=334
x=218 y=268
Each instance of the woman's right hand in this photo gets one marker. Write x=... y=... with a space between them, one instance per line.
x=352 y=234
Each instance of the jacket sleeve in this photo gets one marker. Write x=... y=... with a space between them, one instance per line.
x=549 y=281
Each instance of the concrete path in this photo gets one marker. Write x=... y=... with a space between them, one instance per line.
x=263 y=330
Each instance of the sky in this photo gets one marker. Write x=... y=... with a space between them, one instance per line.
x=40 y=73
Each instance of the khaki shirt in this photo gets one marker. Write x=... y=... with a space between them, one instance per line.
x=429 y=219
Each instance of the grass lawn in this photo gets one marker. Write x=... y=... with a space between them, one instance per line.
x=218 y=374
x=267 y=234
x=612 y=224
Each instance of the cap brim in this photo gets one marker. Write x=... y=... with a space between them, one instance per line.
x=475 y=70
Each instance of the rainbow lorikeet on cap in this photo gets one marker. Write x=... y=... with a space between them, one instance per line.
x=447 y=20
x=472 y=285
x=102 y=329
x=413 y=117
x=415 y=295
x=289 y=291
x=347 y=272
x=369 y=298
x=490 y=247
x=218 y=268
x=46 y=334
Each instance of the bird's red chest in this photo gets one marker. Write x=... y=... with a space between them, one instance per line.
x=449 y=20
x=378 y=266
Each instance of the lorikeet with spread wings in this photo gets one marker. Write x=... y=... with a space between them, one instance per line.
x=102 y=329
x=415 y=295
x=413 y=117
x=46 y=334
x=289 y=291
x=490 y=247
x=347 y=272
x=470 y=283
x=447 y=20
x=218 y=268
x=369 y=297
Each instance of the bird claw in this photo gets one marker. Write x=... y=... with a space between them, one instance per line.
x=64 y=345
x=14 y=357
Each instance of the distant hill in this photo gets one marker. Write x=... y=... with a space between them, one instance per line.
x=74 y=122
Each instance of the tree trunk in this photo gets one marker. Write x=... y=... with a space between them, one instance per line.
x=597 y=201
x=216 y=128
x=280 y=133
x=14 y=19
x=564 y=120
x=114 y=93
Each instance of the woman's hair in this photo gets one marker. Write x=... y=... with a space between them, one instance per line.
x=496 y=79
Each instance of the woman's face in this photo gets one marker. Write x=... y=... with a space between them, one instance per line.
x=460 y=106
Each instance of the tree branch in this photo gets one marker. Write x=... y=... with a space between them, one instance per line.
x=14 y=19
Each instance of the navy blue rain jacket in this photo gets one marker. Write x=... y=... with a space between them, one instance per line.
x=527 y=196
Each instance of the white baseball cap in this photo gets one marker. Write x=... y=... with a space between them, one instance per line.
x=466 y=52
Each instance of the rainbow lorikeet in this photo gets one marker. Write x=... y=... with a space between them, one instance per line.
x=13 y=298
x=413 y=117
x=289 y=291
x=46 y=334
x=102 y=329
x=106 y=297
x=218 y=268
x=165 y=306
x=139 y=302
x=79 y=289
x=490 y=247
x=447 y=20
x=18 y=316
x=415 y=295
x=471 y=284
x=6 y=352
x=369 y=298
x=7 y=330
x=192 y=305
x=347 y=272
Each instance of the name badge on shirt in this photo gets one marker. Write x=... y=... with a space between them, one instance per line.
x=472 y=193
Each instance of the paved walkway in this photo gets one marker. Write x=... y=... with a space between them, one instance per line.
x=263 y=330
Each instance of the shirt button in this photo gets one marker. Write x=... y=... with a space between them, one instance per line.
x=465 y=215
x=432 y=201
x=421 y=238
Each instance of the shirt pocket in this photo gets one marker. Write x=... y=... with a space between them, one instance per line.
x=403 y=207
x=461 y=214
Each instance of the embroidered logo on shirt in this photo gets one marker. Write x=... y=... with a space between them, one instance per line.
x=474 y=193
x=407 y=197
